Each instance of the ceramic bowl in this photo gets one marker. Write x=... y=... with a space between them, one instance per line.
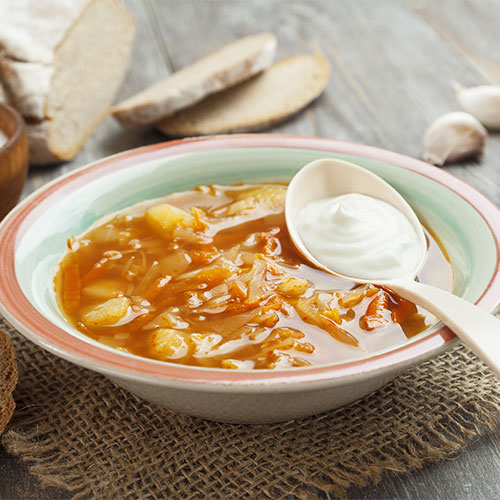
x=13 y=158
x=34 y=234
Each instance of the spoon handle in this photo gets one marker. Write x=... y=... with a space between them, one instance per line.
x=476 y=327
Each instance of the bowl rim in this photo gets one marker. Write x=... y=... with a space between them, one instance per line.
x=13 y=139
x=18 y=311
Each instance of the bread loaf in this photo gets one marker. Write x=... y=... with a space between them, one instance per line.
x=61 y=64
x=8 y=379
x=226 y=67
x=271 y=97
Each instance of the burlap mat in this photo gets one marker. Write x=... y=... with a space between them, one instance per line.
x=78 y=431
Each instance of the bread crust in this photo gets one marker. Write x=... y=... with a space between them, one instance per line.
x=8 y=379
x=148 y=106
x=204 y=118
x=40 y=152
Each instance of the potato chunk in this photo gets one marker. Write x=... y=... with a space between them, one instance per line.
x=169 y=344
x=268 y=194
x=103 y=289
x=270 y=198
x=108 y=313
x=293 y=287
x=165 y=218
x=210 y=275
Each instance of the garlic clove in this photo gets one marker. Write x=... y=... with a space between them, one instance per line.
x=452 y=137
x=483 y=102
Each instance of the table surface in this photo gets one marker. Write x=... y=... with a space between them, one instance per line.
x=393 y=63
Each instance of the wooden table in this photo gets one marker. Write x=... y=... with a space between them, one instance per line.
x=393 y=62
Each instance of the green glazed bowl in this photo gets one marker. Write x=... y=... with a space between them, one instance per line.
x=34 y=235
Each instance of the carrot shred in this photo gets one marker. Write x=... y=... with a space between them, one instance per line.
x=376 y=313
x=200 y=224
x=71 y=287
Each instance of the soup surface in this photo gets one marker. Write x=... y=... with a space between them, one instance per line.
x=210 y=278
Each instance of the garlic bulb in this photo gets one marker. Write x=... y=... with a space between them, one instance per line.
x=453 y=136
x=483 y=102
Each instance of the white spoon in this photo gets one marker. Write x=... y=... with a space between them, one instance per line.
x=328 y=178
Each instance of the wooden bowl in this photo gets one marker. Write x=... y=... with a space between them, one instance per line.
x=13 y=158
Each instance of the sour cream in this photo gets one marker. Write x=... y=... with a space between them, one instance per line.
x=359 y=236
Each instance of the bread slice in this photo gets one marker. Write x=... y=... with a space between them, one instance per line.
x=226 y=67
x=62 y=63
x=279 y=92
x=8 y=379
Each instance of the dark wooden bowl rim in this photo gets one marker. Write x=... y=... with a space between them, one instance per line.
x=14 y=137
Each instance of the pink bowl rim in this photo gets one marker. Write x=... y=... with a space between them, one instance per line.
x=22 y=314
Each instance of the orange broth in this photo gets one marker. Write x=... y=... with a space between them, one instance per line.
x=210 y=278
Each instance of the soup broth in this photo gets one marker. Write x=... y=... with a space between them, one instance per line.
x=210 y=278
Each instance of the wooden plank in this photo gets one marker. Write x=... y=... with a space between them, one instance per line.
x=17 y=483
x=472 y=29
x=470 y=475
